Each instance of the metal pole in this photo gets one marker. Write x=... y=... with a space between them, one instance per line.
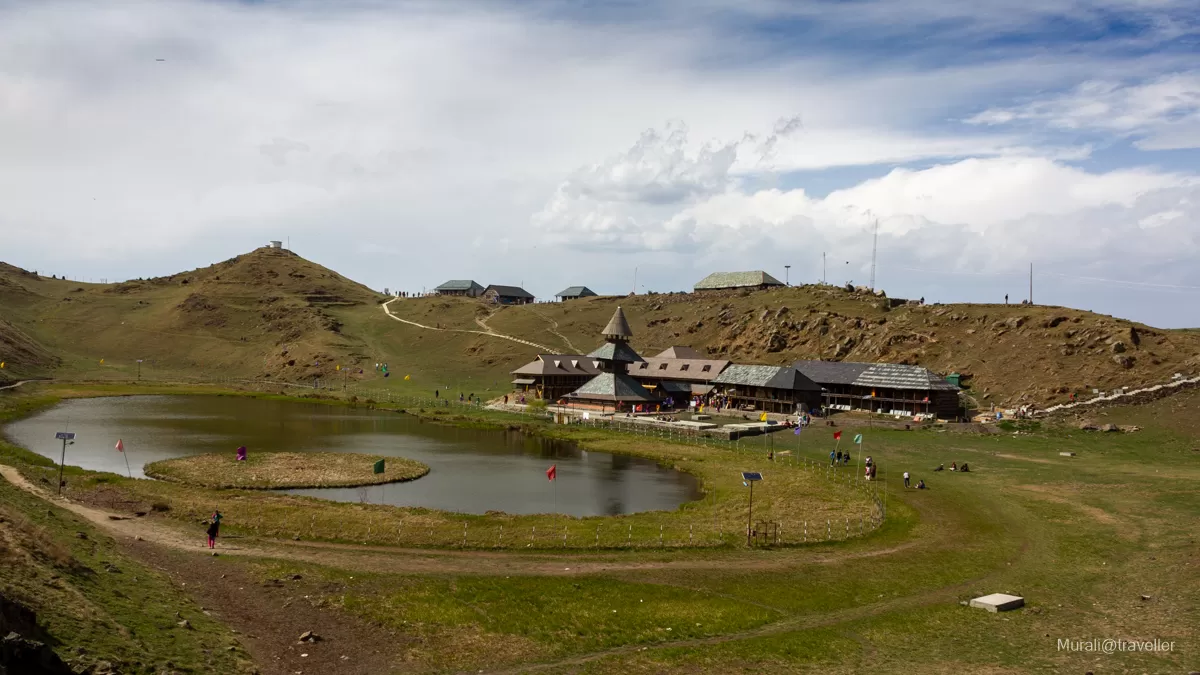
x=60 y=466
x=750 y=515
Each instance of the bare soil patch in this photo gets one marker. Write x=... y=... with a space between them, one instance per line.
x=274 y=470
x=269 y=618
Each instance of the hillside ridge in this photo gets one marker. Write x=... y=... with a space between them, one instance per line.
x=272 y=314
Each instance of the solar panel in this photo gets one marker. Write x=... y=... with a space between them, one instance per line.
x=751 y=475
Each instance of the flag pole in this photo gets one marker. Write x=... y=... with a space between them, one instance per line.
x=127 y=469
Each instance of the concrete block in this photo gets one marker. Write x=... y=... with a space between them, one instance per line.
x=1067 y=454
x=701 y=417
x=998 y=602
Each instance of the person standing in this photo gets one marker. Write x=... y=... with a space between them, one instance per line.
x=214 y=528
x=906 y=482
x=832 y=457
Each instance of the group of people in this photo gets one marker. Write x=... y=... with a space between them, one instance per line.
x=965 y=468
x=954 y=467
x=839 y=458
x=870 y=469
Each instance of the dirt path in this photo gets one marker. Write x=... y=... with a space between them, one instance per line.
x=270 y=617
x=385 y=559
x=489 y=332
x=554 y=331
x=16 y=384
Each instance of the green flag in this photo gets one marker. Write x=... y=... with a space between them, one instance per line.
x=858 y=438
x=379 y=466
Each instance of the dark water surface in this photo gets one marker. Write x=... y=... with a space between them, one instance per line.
x=471 y=470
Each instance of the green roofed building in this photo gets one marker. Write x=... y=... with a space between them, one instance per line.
x=574 y=293
x=778 y=389
x=464 y=287
x=724 y=281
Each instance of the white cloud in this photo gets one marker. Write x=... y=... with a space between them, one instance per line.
x=489 y=139
x=1161 y=114
x=977 y=214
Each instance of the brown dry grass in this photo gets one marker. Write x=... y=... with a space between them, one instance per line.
x=276 y=470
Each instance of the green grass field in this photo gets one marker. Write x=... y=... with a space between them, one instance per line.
x=1101 y=545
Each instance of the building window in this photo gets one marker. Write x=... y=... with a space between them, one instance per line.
x=705 y=369
x=683 y=367
x=643 y=366
x=662 y=366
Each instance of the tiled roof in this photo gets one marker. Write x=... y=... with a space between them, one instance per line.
x=617 y=326
x=678 y=352
x=458 y=285
x=616 y=351
x=773 y=377
x=736 y=280
x=690 y=370
x=613 y=387
x=558 y=364
x=510 y=291
x=575 y=292
x=884 y=375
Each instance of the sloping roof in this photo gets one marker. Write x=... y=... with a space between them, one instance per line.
x=613 y=387
x=617 y=326
x=509 y=291
x=458 y=285
x=558 y=364
x=773 y=377
x=678 y=352
x=831 y=372
x=736 y=280
x=616 y=351
x=884 y=375
x=687 y=370
x=574 y=292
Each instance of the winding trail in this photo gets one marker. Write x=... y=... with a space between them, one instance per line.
x=381 y=559
x=554 y=331
x=16 y=384
x=489 y=332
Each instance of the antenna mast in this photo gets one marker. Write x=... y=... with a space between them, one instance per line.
x=874 y=250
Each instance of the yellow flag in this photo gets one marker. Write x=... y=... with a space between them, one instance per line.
x=339 y=367
x=407 y=377
x=763 y=417
x=101 y=361
x=1 y=364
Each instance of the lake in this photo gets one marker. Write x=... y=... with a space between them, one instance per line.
x=471 y=470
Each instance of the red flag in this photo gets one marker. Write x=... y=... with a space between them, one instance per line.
x=837 y=435
x=120 y=446
x=552 y=472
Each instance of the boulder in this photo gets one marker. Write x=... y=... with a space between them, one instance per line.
x=1123 y=361
x=1118 y=347
x=776 y=342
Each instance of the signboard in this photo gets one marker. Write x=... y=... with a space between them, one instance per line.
x=751 y=475
x=65 y=436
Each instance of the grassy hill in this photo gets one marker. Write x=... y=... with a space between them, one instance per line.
x=272 y=314
x=263 y=314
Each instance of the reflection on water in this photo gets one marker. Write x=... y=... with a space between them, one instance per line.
x=471 y=470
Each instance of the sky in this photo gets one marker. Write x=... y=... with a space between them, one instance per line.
x=625 y=146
